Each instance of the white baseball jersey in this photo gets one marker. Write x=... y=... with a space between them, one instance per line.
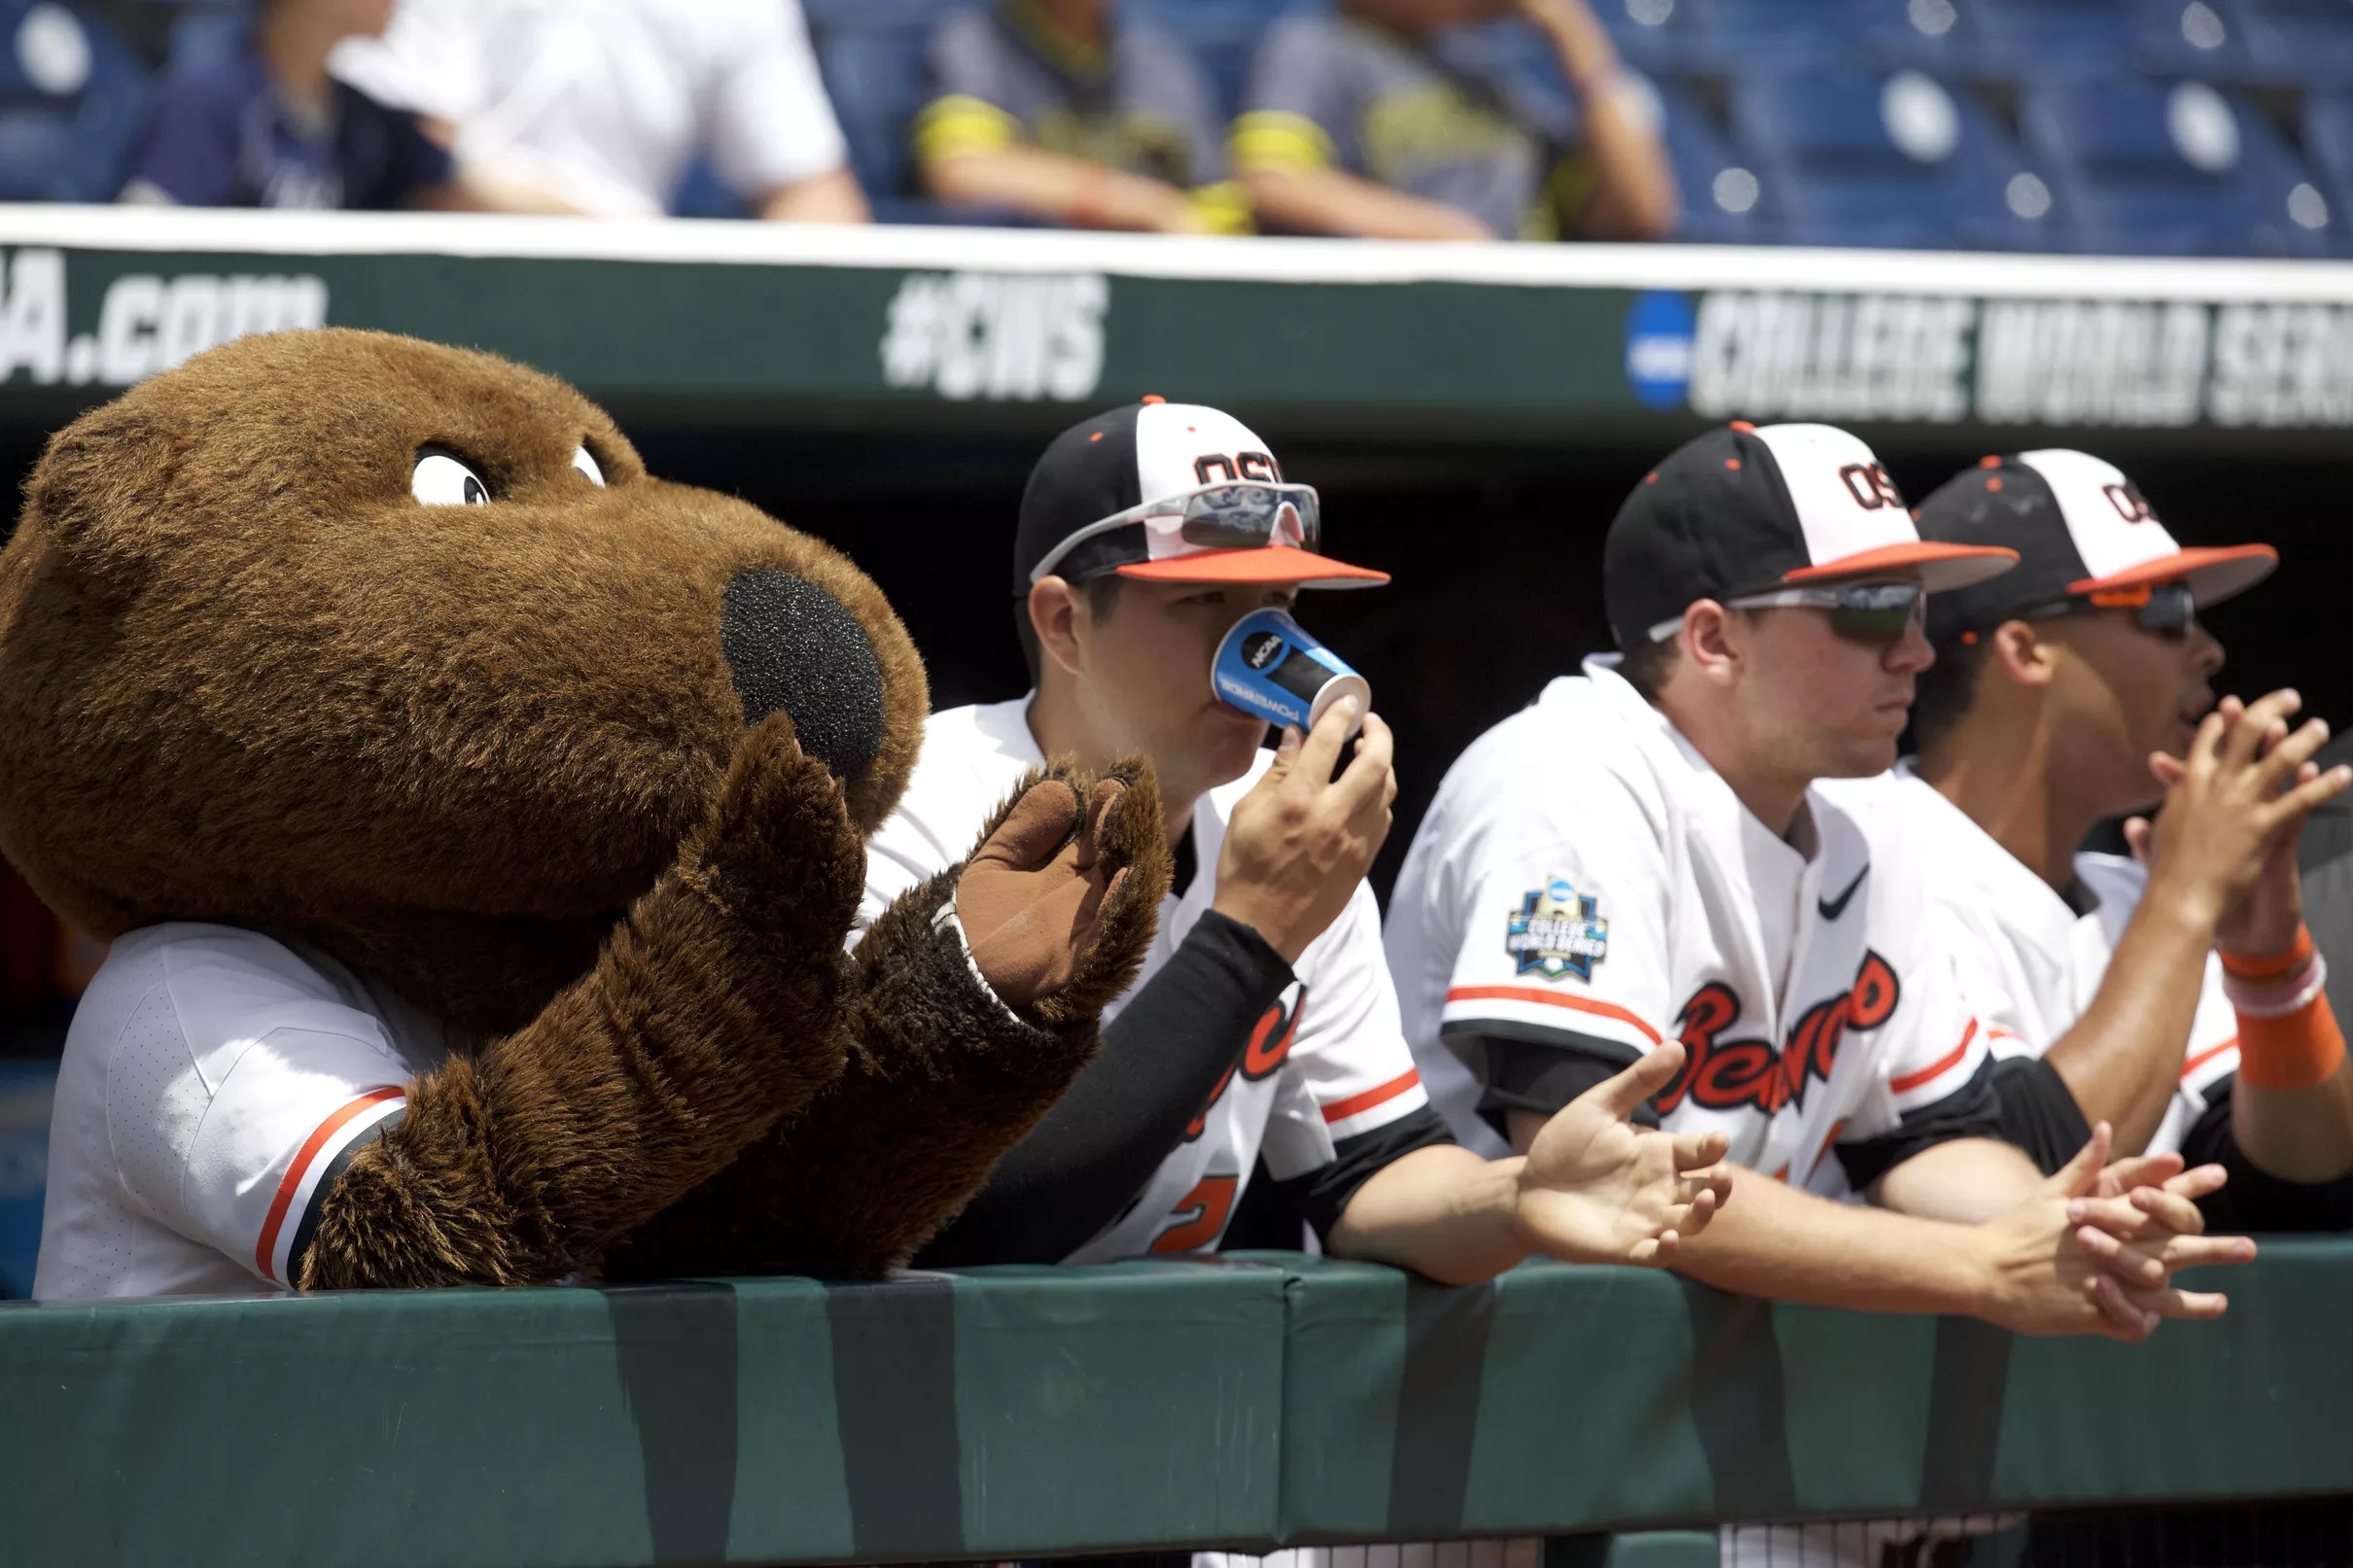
x=1585 y=879
x=2030 y=962
x=212 y=1077
x=1328 y=1062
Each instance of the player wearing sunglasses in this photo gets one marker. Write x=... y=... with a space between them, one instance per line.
x=1644 y=855
x=1255 y=1057
x=2077 y=688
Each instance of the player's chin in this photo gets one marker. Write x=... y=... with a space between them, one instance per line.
x=1230 y=740
x=1866 y=750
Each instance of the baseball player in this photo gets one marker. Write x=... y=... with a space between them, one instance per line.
x=1641 y=856
x=1263 y=1024
x=2054 y=687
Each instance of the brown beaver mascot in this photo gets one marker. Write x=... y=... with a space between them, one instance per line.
x=480 y=822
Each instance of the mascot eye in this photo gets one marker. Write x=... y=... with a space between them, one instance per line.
x=442 y=480
x=582 y=461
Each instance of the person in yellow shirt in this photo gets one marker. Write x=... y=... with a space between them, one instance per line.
x=1066 y=112
x=1370 y=123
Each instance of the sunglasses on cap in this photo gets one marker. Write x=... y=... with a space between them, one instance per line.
x=2165 y=609
x=1245 y=516
x=1865 y=612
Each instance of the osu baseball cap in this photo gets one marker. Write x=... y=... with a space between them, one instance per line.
x=2080 y=527
x=1744 y=509
x=1172 y=492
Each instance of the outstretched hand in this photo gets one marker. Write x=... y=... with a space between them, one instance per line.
x=1597 y=1189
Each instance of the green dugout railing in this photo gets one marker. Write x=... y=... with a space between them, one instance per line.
x=1254 y=1400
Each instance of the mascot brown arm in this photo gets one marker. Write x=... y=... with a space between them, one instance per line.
x=714 y=1009
x=955 y=1051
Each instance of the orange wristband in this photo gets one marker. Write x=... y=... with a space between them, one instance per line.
x=2270 y=965
x=2291 y=1051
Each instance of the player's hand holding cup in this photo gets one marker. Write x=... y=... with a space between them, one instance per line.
x=2094 y=1251
x=1299 y=843
x=1594 y=1188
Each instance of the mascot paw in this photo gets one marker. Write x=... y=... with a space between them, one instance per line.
x=779 y=851
x=1061 y=897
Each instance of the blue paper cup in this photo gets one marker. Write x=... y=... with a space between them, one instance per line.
x=1271 y=666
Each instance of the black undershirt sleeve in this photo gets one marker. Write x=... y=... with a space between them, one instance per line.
x=1320 y=1196
x=2039 y=1113
x=1543 y=1071
x=2255 y=1200
x=1972 y=1111
x=1159 y=1062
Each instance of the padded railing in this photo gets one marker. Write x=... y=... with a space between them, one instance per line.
x=1251 y=1401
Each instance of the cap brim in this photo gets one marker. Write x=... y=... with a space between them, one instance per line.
x=1274 y=563
x=1940 y=567
x=2213 y=574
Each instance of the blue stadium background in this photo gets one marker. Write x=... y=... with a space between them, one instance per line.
x=2210 y=127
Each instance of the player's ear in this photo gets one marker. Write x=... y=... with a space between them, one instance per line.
x=1054 y=613
x=2024 y=658
x=1711 y=640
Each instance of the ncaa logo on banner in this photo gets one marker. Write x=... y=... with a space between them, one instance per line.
x=1659 y=331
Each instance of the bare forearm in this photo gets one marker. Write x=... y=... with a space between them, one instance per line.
x=1634 y=186
x=830 y=197
x=2122 y=1059
x=2297 y=1135
x=1635 y=195
x=1441 y=1212
x=1965 y=1181
x=1330 y=201
x=1053 y=186
x=1788 y=1245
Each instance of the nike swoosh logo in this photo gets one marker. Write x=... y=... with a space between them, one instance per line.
x=1833 y=908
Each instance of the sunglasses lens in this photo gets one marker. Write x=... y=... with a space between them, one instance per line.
x=2172 y=610
x=1245 y=516
x=1876 y=612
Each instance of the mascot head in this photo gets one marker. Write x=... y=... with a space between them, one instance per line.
x=397 y=648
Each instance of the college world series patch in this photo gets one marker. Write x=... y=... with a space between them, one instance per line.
x=1556 y=931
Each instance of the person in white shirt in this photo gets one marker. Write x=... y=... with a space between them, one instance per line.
x=599 y=106
x=1642 y=855
x=2055 y=688
x=1262 y=1027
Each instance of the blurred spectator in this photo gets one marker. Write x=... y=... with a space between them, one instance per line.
x=1362 y=123
x=601 y=106
x=266 y=126
x=1061 y=110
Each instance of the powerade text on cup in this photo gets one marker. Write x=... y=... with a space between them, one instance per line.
x=1272 y=666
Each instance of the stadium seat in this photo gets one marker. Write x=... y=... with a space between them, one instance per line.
x=2308 y=41
x=2044 y=38
x=2174 y=169
x=1656 y=35
x=872 y=55
x=1901 y=161
x=1728 y=199
x=1740 y=34
x=70 y=95
x=2327 y=137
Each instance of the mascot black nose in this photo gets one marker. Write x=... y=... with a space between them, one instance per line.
x=792 y=649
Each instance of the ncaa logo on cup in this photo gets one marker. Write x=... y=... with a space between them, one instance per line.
x=1659 y=331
